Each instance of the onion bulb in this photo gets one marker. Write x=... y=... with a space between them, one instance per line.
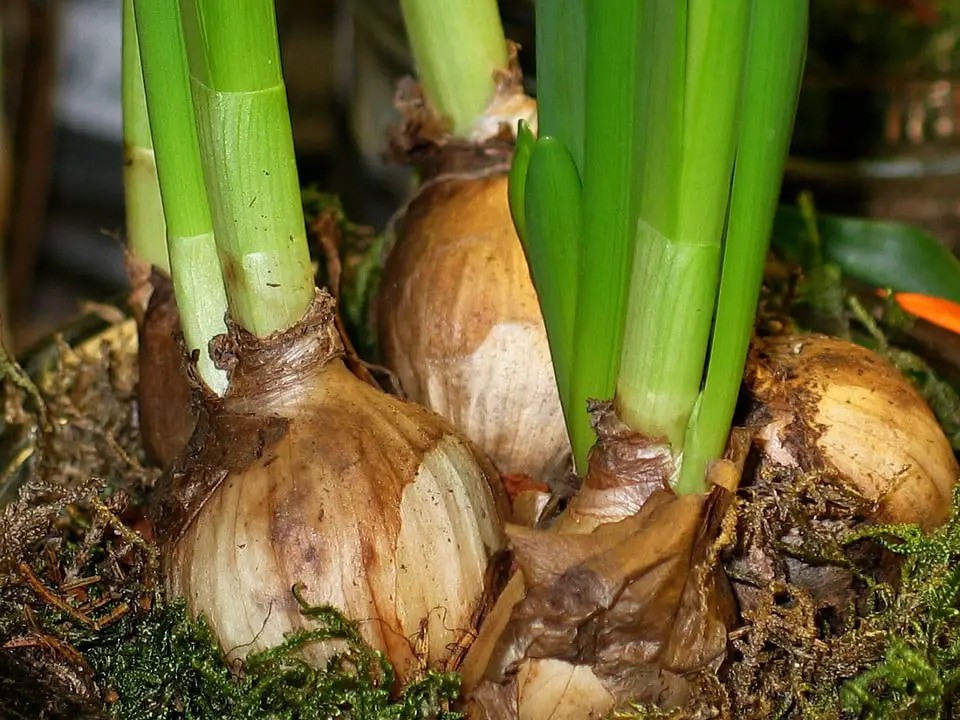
x=831 y=405
x=302 y=473
x=460 y=325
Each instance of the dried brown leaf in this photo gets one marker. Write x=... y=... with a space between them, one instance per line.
x=616 y=611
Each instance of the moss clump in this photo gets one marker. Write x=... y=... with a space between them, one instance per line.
x=919 y=673
x=877 y=639
x=167 y=666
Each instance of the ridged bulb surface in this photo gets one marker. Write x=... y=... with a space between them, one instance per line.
x=376 y=505
x=460 y=325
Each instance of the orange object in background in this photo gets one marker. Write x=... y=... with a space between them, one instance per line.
x=938 y=311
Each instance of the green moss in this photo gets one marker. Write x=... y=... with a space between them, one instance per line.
x=905 y=685
x=919 y=674
x=166 y=666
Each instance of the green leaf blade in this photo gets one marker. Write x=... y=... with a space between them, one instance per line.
x=609 y=207
x=693 y=89
x=553 y=218
x=146 y=227
x=516 y=188
x=879 y=253
x=458 y=46
x=775 y=63
x=249 y=165
x=561 y=61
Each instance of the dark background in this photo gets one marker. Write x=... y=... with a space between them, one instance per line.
x=876 y=99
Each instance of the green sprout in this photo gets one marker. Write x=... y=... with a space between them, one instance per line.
x=646 y=204
x=458 y=45
x=249 y=166
x=194 y=265
x=146 y=231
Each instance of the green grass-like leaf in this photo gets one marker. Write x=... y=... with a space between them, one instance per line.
x=517 y=187
x=613 y=70
x=457 y=45
x=561 y=27
x=774 y=67
x=553 y=220
x=674 y=93
x=194 y=264
x=250 y=171
x=146 y=229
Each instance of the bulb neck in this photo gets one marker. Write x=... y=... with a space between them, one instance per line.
x=270 y=380
x=624 y=469
x=423 y=140
x=266 y=373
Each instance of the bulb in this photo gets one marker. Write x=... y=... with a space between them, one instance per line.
x=619 y=601
x=304 y=474
x=460 y=325
x=832 y=405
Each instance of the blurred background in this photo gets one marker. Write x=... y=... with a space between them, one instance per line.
x=876 y=132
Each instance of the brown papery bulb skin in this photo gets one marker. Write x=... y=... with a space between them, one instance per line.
x=460 y=325
x=312 y=476
x=164 y=397
x=620 y=600
x=828 y=404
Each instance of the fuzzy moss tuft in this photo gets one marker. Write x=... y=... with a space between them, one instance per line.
x=168 y=666
x=919 y=675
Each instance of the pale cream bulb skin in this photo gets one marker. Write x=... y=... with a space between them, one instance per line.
x=460 y=325
x=374 y=504
x=558 y=690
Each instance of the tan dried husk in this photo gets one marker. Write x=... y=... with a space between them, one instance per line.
x=164 y=395
x=460 y=325
x=833 y=407
x=303 y=473
x=623 y=600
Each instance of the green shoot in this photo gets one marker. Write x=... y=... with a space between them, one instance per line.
x=146 y=234
x=195 y=268
x=682 y=213
x=250 y=171
x=549 y=228
x=552 y=183
x=613 y=62
x=687 y=112
x=458 y=46
x=522 y=153
x=562 y=47
x=772 y=83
